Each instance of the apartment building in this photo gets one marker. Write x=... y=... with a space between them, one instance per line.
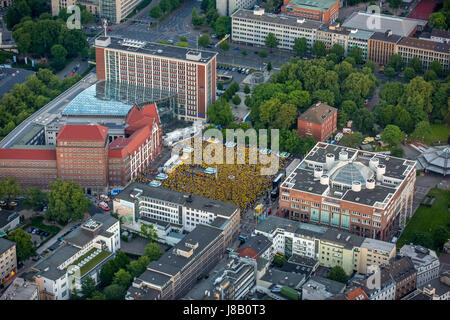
x=83 y=253
x=319 y=121
x=172 y=212
x=8 y=260
x=349 y=189
x=325 y=11
x=381 y=46
x=426 y=51
x=256 y=247
x=375 y=252
x=21 y=290
x=176 y=272
x=320 y=288
x=425 y=262
x=405 y=276
x=227 y=7
x=191 y=74
x=386 y=289
x=252 y=28
x=340 y=248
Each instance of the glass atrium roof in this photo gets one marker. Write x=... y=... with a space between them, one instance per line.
x=113 y=98
x=351 y=172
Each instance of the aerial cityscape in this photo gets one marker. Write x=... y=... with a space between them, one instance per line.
x=251 y=150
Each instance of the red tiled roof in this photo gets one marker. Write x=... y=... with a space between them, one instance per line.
x=357 y=294
x=149 y=111
x=75 y=132
x=422 y=10
x=244 y=252
x=120 y=147
x=28 y=154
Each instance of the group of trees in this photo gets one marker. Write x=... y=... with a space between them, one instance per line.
x=434 y=240
x=337 y=273
x=66 y=202
x=219 y=112
x=25 y=8
x=412 y=69
x=118 y=273
x=24 y=246
x=164 y=6
x=210 y=17
x=51 y=39
x=85 y=15
x=26 y=98
x=441 y=19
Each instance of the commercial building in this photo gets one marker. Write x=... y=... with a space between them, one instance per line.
x=381 y=46
x=277 y=278
x=93 y=6
x=188 y=73
x=21 y=290
x=359 y=38
x=227 y=7
x=325 y=11
x=386 y=289
x=426 y=51
x=252 y=28
x=256 y=247
x=172 y=213
x=319 y=288
x=425 y=262
x=349 y=189
x=333 y=34
x=176 y=272
x=319 y=121
x=437 y=289
x=83 y=253
x=8 y=260
x=375 y=253
x=442 y=36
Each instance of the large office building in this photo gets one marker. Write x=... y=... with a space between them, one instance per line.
x=172 y=213
x=325 y=11
x=82 y=254
x=188 y=73
x=362 y=192
x=426 y=51
x=319 y=121
x=8 y=260
x=252 y=27
x=381 y=46
x=227 y=7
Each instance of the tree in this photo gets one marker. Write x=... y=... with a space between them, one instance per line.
x=97 y=295
x=123 y=278
x=59 y=54
x=422 y=130
x=338 y=274
x=107 y=272
x=430 y=75
x=271 y=41
x=153 y=251
x=394 y=4
x=279 y=261
x=236 y=100
x=286 y=116
x=148 y=231
x=220 y=112
x=9 y=188
x=338 y=50
x=300 y=46
x=397 y=151
x=204 y=5
x=35 y=199
x=203 y=41
x=121 y=260
x=436 y=67
x=389 y=72
x=156 y=12
x=269 y=66
x=409 y=74
x=246 y=89
x=422 y=239
x=164 y=5
x=416 y=64
x=392 y=135
x=224 y=45
x=351 y=140
x=357 y=54
x=137 y=267
x=88 y=287
x=66 y=202
x=318 y=49
x=437 y=20
x=263 y=54
x=114 y=292
x=24 y=246
x=222 y=26
x=396 y=62
x=440 y=236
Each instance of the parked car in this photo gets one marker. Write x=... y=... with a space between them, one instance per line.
x=229 y=250
x=104 y=198
x=104 y=206
x=2 y=203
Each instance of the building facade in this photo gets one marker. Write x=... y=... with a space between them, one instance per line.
x=8 y=260
x=189 y=73
x=381 y=46
x=405 y=276
x=319 y=121
x=425 y=262
x=325 y=11
x=349 y=189
x=426 y=51
x=21 y=290
x=375 y=253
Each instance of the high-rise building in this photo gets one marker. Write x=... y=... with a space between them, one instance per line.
x=190 y=73
x=362 y=192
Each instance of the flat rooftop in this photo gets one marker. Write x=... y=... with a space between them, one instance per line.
x=375 y=244
x=425 y=45
x=399 y=25
x=277 y=19
x=318 y=5
x=157 y=49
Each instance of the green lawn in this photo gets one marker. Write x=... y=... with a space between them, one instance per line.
x=440 y=133
x=427 y=218
x=92 y=263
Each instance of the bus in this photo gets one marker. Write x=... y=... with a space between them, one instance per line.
x=277 y=181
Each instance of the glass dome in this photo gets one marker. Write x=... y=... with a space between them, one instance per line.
x=445 y=153
x=351 y=172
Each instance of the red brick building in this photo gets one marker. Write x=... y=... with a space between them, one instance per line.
x=325 y=11
x=319 y=121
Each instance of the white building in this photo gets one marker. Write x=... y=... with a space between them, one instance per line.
x=425 y=262
x=252 y=27
x=21 y=290
x=85 y=250
x=227 y=7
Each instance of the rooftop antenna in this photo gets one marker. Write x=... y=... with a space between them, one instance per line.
x=105 y=25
